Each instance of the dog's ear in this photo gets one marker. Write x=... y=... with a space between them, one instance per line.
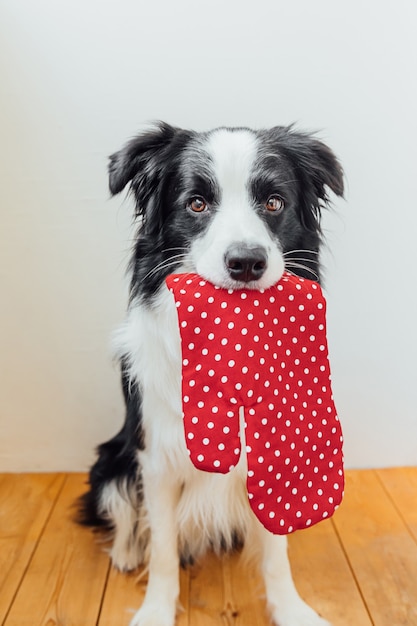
x=138 y=160
x=317 y=169
x=142 y=163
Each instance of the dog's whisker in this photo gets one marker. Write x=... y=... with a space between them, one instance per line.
x=174 y=249
x=301 y=250
x=298 y=259
x=301 y=267
x=297 y=263
x=165 y=265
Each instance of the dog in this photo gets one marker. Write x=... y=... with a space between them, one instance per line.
x=238 y=207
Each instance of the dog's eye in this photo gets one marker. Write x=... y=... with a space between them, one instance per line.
x=197 y=204
x=275 y=204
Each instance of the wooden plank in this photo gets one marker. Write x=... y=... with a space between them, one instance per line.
x=230 y=591
x=216 y=591
x=183 y=617
x=64 y=582
x=226 y=591
x=244 y=602
x=323 y=576
x=26 y=502
x=206 y=592
x=401 y=485
x=380 y=549
x=123 y=596
x=125 y=592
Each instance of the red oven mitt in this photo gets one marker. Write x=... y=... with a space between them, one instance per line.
x=265 y=351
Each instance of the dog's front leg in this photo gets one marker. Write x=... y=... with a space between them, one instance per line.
x=286 y=606
x=161 y=495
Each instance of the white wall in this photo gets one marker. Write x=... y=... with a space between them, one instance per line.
x=79 y=77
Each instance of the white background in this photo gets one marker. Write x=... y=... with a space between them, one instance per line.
x=80 y=77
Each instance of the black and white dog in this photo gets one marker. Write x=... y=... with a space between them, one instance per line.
x=238 y=207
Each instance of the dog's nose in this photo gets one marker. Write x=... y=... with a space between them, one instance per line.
x=245 y=263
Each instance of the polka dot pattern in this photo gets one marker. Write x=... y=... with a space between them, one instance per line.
x=265 y=351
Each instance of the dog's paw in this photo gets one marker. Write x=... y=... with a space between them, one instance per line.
x=299 y=614
x=154 y=615
x=125 y=558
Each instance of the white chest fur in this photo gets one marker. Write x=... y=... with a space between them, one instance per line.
x=211 y=506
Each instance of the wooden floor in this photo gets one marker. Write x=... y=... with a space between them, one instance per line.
x=358 y=569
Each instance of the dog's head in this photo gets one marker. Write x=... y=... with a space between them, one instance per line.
x=236 y=206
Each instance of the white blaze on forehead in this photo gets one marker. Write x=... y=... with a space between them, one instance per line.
x=235 y=220
x=233 y=154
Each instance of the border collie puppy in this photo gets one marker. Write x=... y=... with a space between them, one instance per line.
x=238 y=207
